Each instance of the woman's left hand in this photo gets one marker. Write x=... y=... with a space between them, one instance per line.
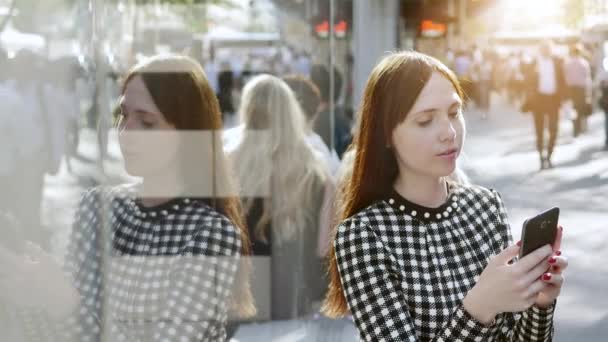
x=554 y=277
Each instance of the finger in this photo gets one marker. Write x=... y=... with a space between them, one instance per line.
x=535 y=288
x=560 y=264
x=528 y=262
x=558 y=238
x=535 y=273
x=507 y=254
x=553 y=279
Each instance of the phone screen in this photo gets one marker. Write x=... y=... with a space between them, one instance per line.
x=538 y=231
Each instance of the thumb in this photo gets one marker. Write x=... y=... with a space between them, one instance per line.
x=507 y=254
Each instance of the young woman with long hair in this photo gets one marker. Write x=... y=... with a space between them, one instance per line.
x=420 y=255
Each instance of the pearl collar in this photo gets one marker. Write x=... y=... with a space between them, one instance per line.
x=417 y=211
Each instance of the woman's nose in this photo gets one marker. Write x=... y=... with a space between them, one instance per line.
x=448 y=131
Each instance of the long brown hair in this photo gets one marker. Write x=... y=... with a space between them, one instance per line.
x=390 y=93
x=180 y=90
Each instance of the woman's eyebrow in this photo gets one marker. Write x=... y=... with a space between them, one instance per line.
x=456 y=103
x=426 y=111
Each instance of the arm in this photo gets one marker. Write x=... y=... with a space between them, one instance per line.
x=375 y=297
x=83 y=267
x=535 y=324
x=201 y=283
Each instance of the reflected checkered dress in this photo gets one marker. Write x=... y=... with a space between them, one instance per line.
x=405 y=269
x=168 y=270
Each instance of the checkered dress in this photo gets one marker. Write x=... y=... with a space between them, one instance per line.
x=405 y=269
x=168 y=270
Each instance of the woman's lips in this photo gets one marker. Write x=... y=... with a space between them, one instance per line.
x=450 y=154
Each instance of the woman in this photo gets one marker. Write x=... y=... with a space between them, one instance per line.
x=282 y=186
x=420 y=255
x=157 y=260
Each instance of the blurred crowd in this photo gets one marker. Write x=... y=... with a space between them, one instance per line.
x=546 y=82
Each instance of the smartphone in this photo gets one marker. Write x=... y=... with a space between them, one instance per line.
x=538 y=231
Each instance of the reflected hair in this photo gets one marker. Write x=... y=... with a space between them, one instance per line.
x=274 y=160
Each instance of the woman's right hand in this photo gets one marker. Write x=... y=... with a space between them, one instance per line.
x=508 y=287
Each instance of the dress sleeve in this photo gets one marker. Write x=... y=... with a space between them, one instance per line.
x=83 y=266
x=375 y=296
x=200 y=284
x=535 y=324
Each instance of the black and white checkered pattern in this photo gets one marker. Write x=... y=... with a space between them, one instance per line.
x=405 y=269
x=168 y=271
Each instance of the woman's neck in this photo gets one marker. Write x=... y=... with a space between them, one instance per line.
x=425 y=191
x=158 y=190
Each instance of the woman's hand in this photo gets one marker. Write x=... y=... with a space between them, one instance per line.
x=554 y=277
x=508 y=287
x=35 y=280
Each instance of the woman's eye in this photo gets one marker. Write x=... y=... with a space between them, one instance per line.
x=424 y=123
x=146 y=124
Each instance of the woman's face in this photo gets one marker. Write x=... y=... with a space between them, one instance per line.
x=429 y=140
x=148 y=142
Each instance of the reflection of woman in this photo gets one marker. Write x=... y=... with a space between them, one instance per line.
x=174 y=247
x=421 y=255
x=283 y=184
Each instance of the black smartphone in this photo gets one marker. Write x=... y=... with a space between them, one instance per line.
x=538 y=231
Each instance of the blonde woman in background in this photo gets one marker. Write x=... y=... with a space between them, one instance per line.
x=282 y=187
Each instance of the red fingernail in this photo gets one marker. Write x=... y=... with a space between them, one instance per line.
x=519 y=243
x=552 y=260
x=556 y=268
x=558 y=253
x=547 y=276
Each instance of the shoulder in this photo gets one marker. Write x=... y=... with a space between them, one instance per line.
x=473 y=191
x=214 y=233
x=376 y=215
x=95 y=196
x=479 y=200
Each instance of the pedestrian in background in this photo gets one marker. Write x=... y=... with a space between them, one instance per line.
x=548 y=91
x=577 y=73
x=602 y=80
x=282 y=184
x=320 y=76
